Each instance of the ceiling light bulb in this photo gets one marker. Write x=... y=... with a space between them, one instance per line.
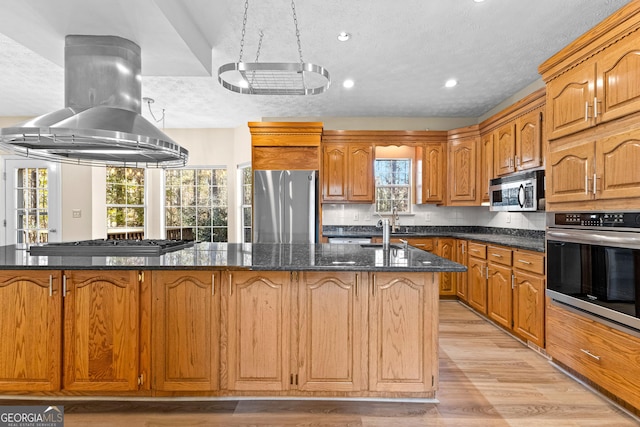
x=348 y=84
x=451 y=83
x=344 y=36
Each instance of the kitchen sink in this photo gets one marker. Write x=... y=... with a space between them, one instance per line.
x=379 y=246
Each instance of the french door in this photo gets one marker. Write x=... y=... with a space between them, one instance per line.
x=32 y=202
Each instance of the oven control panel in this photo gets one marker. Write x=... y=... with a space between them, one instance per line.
x=599 y=219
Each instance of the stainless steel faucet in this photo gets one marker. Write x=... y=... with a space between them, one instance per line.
x=395 y=219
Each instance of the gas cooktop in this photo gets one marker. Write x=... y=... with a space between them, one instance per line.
x=101 y=247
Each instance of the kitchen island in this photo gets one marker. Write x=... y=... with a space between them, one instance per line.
x=214 y=320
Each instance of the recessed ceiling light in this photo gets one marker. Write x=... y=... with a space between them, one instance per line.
x=348 y=84
x=344 y=36
x=478 y=1
x=451 y=83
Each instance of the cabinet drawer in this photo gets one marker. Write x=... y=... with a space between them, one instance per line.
x=528 y=261
x=428 y=245
x=477 y=250
x=606 y=356
x=499 y=255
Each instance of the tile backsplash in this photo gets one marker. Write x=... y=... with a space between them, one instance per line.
x=363 y=214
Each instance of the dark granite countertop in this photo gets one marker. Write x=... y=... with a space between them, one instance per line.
x=522 y=239
x=299 y=257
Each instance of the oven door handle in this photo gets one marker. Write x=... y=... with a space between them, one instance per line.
x=597 y=237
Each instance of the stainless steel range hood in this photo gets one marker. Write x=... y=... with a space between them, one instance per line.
x=101 y=123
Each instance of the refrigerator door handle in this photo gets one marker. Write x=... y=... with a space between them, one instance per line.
x=284 y=180
x=312 y=208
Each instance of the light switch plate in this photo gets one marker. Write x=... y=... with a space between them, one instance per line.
x=76 y=213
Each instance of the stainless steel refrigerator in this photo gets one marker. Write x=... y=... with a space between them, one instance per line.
x=285 y=206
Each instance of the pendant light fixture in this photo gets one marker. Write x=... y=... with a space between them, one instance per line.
x=273 y=78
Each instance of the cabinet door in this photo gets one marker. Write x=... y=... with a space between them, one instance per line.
x=186 y=330
x=462 y=171
x=256 y=313
x=528 y=307
x=570 y=174
x=447 y=249
x=499 y=295
x=529 y=140
x=619 y=80
x=487 y=164
x=31 y=326
x=570 y=100
x=101 y=319
x=433 y=173
x=505 y=149
x=477 y=284
x=332 y=348
x=360 y=183
x=403 y=332
x=334 y=172
x=617 y=166
x=461 y=278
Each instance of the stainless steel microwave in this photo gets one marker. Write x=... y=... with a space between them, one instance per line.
x=522 y=191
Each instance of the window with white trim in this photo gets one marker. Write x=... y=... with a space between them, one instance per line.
x=196 y=204
x=126 y=208
x=393 y=185
x=245 y=186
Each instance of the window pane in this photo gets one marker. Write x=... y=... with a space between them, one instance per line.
x=220 y=216
x=204 y=217
x=172 y=217
x=205 y=177
x=172 y=177
x=204 y=195
x=135 y=195
x=188 y=196
x=135 y=217
x=204 y=234
x=172 y=196
x=188 y=217
x=115 y=217
x=188 y=177
x=219 y=234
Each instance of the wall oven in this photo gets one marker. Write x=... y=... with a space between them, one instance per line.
x=593 y=264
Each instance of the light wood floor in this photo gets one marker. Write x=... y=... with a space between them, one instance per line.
x=487 y=379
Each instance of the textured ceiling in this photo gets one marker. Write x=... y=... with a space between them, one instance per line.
x=400 y=55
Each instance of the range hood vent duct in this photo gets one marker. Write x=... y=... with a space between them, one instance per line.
x=101 y=124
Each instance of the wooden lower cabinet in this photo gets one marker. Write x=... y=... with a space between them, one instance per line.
x=608 y=357
x=332 y=346
x=462 y=254
x=528 y=307
x=403 y=332
x=499 y=295
x=446 y=248
x=477 y=276
x=31 y=327
x=257 y=331
x=102 y=339
x=186 y=330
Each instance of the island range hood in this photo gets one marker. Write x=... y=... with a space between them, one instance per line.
x=101 y=124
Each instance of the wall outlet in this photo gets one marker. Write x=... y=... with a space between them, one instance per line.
x=367 y=217
x=427 y=216
x=76 y=213
x=508 y=218
x=356 y=216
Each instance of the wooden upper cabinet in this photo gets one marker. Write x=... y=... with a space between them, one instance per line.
x=505 y=146
x=487 y=164
x=186 y=330
x=433 y=173
x=347 y=173
x=31 y=327
x=332 y=344
x=360 y=184
x=596 y=78
x=102 y=334
x=463 y=162
x=529 y=140
x=569 y=100
x=619 y=80
x=285 y=145
x=617 y=169
x=570 y=173
x=257 y=330
x=334 y=172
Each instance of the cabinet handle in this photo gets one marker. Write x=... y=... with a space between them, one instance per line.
x=595 y=106
x=64 y=285
x=419 y=245
x=51 y=285
x=588 y=353
x=513 y=281
x=594 y=183
x=486 y=269
x=518 y=161
x=213 y=285
x=497 y=255
x=230 y=287
x=586 y=111
x=463 y=250
x=524 y=261
x=357 y=276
